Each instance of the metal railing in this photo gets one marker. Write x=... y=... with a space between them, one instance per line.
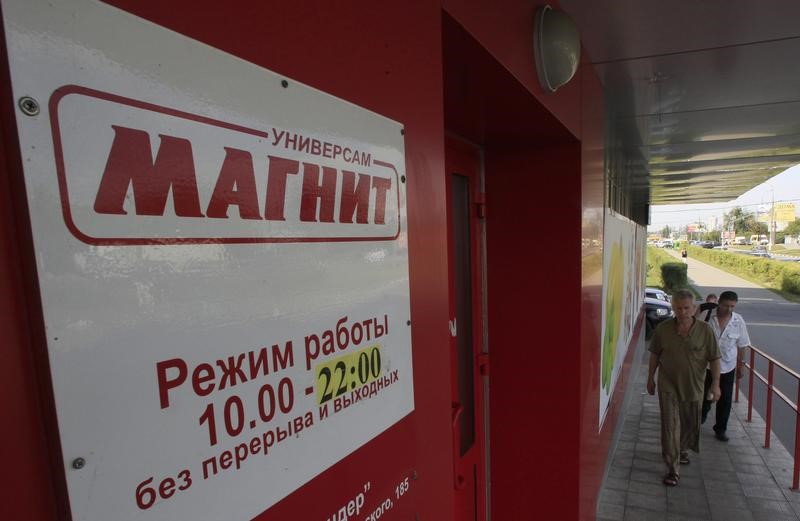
x=771 y=389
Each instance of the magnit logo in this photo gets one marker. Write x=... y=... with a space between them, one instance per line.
x=135 y=173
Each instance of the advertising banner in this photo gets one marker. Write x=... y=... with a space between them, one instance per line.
x=624 y=277
x=785 y=212
x=223 y=266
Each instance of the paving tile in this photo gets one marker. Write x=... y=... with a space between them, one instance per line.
x=713 y=450
x=766 y=505
x=746 y=478
x=649 y=439
x=651 y=433
x=646 y=502
x=645 y=464
x=610 y=511
x=772 y=516
x=654 y=475
x=793 y=496
x=653 y=457
x=727 y=501
x=638 y=514
x=619 y=472
x=681 y=517
x=764 y=492
x=747 y=459
x=719 y=465
x=752 y=469
x=731 y=514
x=745 y=451
x=691 y=482
x=621 y=460
x=612 y=496
x=652 y=448
x=616 y=483
x=688 y=505
x=712 y=473
x=728 y=488
x=649 y=488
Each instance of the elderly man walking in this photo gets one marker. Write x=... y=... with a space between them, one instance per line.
x=680 y=350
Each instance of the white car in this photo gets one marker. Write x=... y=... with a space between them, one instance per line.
x=656 y=294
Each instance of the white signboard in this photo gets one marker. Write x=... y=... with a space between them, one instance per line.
x=222 y=261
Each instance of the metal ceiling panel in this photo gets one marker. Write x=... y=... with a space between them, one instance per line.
x=729 y=77
x=625 y=29
x=770 y=120
x=706 y=93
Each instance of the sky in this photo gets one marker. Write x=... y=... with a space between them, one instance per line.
x=786 y=186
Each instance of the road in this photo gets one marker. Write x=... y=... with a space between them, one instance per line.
x=774 y=327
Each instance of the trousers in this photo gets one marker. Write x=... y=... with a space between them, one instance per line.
x=680 y=429
x=723 y=411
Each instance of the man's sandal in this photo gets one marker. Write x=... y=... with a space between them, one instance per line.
x=671 y=479
x=684 y=459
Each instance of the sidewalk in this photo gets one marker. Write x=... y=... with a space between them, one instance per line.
x=715 y=280
x=734 y=481
x=737 y=480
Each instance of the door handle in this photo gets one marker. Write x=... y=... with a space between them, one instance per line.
x=453 y=327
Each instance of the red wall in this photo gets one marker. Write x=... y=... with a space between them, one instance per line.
x=594 y=446
x=533 y=338
x=388 y=57
x=506 y=30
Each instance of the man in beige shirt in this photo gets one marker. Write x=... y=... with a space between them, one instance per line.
x=680 y=349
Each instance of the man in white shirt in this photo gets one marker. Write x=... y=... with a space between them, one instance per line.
x=731 y=332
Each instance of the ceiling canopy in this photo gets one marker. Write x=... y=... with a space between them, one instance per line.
x=707 y=92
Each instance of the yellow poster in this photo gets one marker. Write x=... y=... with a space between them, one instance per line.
x=784 y=212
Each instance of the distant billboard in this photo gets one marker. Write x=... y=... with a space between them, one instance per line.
x=785 y=212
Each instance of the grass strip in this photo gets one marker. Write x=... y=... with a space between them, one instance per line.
x=781 y=277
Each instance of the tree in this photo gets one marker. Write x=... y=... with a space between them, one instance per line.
x=743 y=222
x=665 y=232
x=791 y=230
x=756 y=228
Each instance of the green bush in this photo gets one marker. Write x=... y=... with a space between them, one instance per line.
x=674 y=276
x=790 y=282
x=656 y=257
x=772 y=273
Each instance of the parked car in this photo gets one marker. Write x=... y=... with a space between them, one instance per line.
x=656 y=311
x=656 y=294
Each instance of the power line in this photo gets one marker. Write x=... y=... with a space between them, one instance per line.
x=724 y=207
